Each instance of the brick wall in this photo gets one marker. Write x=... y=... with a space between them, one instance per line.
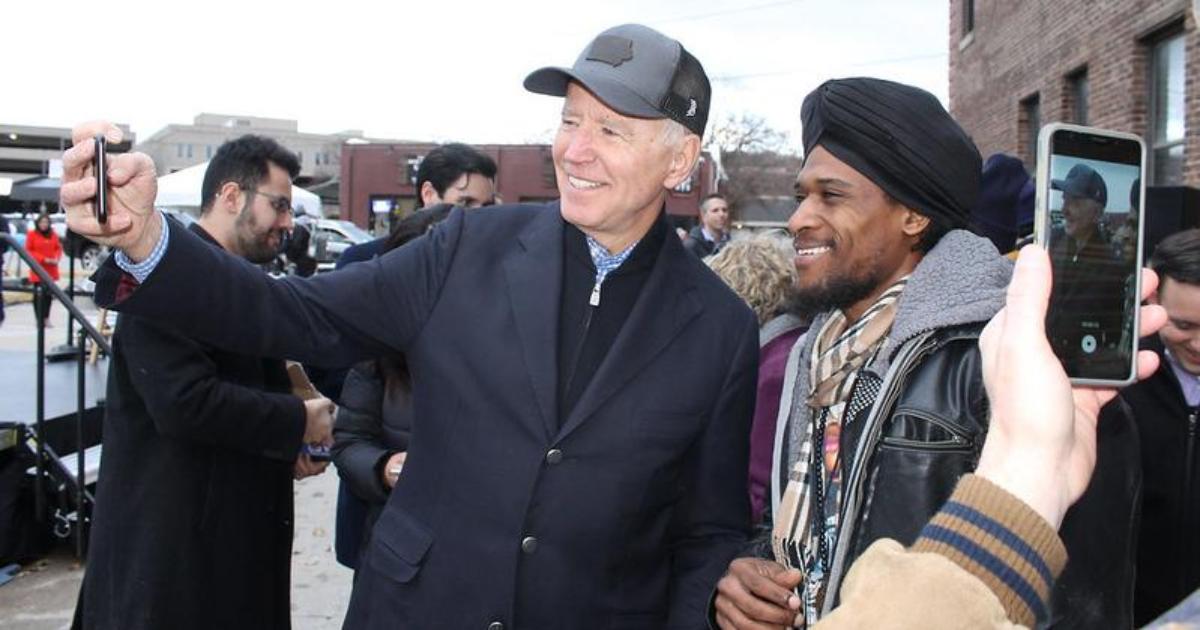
x=1021 y=48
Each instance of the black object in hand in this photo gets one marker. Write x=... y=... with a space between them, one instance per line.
x=100 y=166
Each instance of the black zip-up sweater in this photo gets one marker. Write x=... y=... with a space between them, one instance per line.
x=1168 y=563
x=586 y=332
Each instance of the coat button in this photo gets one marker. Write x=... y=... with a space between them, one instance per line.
x=495 y=625
x=554 y=456
x=529 y=544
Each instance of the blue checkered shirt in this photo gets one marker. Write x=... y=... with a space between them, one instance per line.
x=141 y=271
x=605 y=264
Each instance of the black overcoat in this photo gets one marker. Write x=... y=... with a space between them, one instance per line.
x=193 y=519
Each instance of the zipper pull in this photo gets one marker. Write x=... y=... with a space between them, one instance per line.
x=595 y=299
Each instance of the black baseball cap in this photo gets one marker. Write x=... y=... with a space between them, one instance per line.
x=638 y=72
x=1083 y=181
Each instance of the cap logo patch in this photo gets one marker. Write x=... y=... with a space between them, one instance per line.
x=611 y=50
x=691 y=108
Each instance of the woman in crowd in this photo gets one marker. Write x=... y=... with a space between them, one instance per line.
x=759 y=271
x=43 y=244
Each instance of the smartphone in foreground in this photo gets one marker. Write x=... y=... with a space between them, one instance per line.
x=100 y=168
x=1089 y=218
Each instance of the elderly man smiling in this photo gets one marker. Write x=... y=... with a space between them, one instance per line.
x=549 y=484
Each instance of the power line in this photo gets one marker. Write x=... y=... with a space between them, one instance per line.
x=877 y=62
x=711 y=14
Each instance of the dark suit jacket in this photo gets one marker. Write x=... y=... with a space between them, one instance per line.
x=193 y=520
x=624 y=517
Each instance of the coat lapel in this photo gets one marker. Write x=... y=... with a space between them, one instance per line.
x=534 y=274
x=665 y=305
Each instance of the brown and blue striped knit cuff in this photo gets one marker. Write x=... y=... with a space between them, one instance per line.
x=1003 y=542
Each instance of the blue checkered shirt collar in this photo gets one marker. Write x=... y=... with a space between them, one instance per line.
x=605 y=262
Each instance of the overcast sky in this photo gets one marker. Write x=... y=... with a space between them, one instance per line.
x=434 y=69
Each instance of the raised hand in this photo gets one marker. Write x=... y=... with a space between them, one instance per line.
x=1041 y=445
x=133 y=226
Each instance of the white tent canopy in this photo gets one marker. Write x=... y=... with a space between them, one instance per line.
x=181 y=189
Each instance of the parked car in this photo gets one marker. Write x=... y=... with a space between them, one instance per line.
x=331 y=237
x=19 y=225
x=88 y=255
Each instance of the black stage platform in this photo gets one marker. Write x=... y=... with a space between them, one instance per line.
x=18 y=386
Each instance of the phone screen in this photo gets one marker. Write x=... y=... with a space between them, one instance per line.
x=1094 y=223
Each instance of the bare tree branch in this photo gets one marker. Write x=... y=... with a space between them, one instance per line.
x=757 y=160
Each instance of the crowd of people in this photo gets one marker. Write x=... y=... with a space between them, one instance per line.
x=570 y=415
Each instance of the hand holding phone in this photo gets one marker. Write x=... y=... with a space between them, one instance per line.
x=1089 y=219
x=100 y=168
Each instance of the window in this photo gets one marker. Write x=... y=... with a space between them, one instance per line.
x=685 y=186
x=412 y=164
x=334 y=236
x=1030 y=124
x=1077 y=85
x=300 y=158
x=208 y=151
x=189 y=151
x=968 y=17
x=1167 y=116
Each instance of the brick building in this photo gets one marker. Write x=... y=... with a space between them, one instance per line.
x=377 y=179
x=1126 y=65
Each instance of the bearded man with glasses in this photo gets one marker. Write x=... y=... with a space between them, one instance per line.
x=193 y=521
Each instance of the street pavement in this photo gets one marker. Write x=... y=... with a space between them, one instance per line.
x=42 y=596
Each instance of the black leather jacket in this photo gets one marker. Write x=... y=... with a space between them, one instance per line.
x=927 y=429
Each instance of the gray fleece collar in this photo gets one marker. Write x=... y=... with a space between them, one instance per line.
x=962 y=280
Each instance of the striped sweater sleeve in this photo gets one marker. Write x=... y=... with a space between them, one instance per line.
x=1003 y=542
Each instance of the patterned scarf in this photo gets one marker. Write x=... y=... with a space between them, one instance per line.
x=806 y=526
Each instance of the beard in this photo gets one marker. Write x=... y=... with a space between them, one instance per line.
x=254 y=243
x=837 y=290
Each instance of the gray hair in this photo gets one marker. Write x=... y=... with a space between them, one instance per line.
x=672 y=133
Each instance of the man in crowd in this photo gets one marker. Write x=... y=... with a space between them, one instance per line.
x=193 y=520
x=886 y=405
x=1166 y=407
x=452 y=173
x=1089 y=283
x=711 y=235
x=549 y=481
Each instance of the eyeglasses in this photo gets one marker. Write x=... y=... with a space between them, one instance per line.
x=280 y=203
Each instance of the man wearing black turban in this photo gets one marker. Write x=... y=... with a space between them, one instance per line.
x=884 y=399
